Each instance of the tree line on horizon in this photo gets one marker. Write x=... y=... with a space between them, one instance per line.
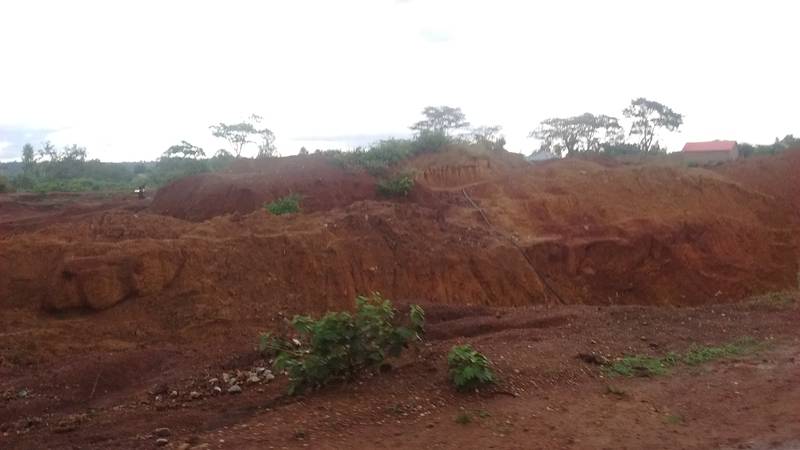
x=51 y=169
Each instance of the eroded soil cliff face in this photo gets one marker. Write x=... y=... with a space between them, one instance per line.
x=483 y=229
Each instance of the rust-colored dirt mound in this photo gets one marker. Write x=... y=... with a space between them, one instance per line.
x=20 y=213
x=775 y=175
x=247 y=185
x=489 y=230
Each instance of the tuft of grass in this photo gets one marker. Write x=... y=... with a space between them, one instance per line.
x=698 y=354
x=650 y=366
x=777 y=300
x=674 y=419
x=642 y=366
x=463 y=418
x=284 y=205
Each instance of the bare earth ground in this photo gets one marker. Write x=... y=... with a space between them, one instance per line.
x=547 y=397
x=115 y=311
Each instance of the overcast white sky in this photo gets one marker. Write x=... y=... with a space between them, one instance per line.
x=128 y=79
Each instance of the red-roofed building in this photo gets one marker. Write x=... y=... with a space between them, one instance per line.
x=710 y=152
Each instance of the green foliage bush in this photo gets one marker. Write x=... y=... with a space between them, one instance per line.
x=469 y=368
x=340 y=345
x=399 y=186
x=167 y=169
x=383 y=155
x=431 y=141
x=23 y=182
x=78 y=185
x=5 y=185
x=284 y=205
x=378 y=158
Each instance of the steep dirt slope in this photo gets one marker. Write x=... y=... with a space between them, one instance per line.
x=480 y=229
x=775 y=175
x=626 y=233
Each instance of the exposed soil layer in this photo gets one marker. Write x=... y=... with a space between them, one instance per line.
x=775 y=175
x=103 y=297
x=480 y=229
x=114 y=391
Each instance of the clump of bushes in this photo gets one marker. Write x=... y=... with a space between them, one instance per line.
x=340 y=345
x=5 y=185
x=78 y=185
x=399 y=186
x=432 y=141
x=381 y=156
x=469 y=369
x=284 y=205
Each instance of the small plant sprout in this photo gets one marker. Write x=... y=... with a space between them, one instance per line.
x=399 y=186
x=284 y=205
x=469 y=369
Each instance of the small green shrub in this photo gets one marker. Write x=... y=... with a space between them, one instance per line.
x=5 y=185
x=284 y=205
x=399 y=186
x=340 y=345
x=469 y=369
x=381 y=156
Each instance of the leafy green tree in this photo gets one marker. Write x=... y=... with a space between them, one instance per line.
x=223 y=154
x=648 y=116
x=266 y=148
x=50 y=153
x=441 y=119
x=47 y=152
x=65 y=163
x=584 y=133
x=28 y=159
x=488 y=137
x=240 y=134
x=599 y=130
x=184 y=150
x=73 y=153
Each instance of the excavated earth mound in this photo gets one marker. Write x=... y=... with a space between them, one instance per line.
x=775 y=175
x=247 y=185
x=482 y=228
